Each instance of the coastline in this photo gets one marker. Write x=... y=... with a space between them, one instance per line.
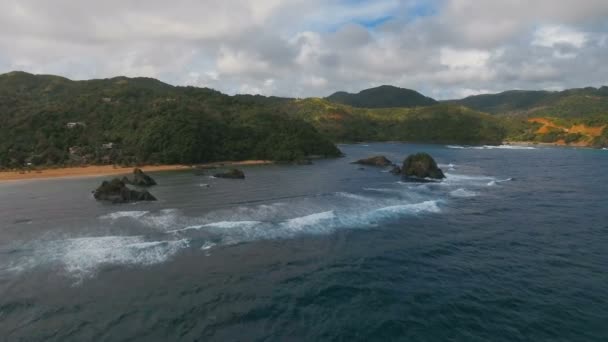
x=544 y=144
x=111 y=170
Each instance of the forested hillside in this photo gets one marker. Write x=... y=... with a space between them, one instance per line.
x=433 y=124
x=569 y=117
x=382 y=97
x=49 y=120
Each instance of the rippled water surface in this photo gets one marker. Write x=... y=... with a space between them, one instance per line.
x=512 y=246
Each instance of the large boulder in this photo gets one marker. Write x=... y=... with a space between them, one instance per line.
x=231 y=174
x=381 y=161
x=421 y=166
x=116 y=191
x=139 y=179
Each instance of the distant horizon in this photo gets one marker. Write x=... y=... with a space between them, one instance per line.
x=292 y=97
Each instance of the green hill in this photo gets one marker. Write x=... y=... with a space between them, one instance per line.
x=440 y=123
x=49 y=120
x=572 y=103
x=570 y=117
x=382 y=97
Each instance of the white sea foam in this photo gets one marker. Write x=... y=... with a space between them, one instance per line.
x=385 y=190
x=308 y=221
x=353 y=196
x=463 y=193
x=414 y=208
x=163 y=220
x=232 y=224
x=459 y=178
x=491 y=147
x=81 y=257
x=447 y=166
x=494 y=182
x=207 y=246
x=122 y=214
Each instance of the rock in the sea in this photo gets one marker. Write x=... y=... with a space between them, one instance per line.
x=116 y=191
x=421 y=166
x=231 y=174
x=381 y=161
x=396 y=170
x=139 y=179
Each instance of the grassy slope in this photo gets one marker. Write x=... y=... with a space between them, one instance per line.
x=571 y=117
x=438 y=124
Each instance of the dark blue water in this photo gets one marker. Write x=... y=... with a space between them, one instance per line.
x=511 y=247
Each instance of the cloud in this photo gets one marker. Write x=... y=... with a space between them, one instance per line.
x=444 y=48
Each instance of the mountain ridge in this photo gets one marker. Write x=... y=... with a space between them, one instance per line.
x=385 y=96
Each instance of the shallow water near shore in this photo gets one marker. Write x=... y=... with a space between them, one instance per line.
x=511 y=246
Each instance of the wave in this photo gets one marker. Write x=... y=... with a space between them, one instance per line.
x=494 y=182
x=449 y=166
x=353 y=196
x=82 y=257
x=459 y=179
x=300 y=223
x=214 y=234
x=492 y=147
x=123 y=214
x=426 y=206
x=385 y=190
x=463 y=193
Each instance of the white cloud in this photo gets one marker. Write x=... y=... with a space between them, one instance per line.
x=549 y=36
x=313 y=47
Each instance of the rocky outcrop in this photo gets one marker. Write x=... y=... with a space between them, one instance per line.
x=421 y=166
x=116 y=191
x=231 y=174
x=380 y=161
x=139 y=179
x=396 y=170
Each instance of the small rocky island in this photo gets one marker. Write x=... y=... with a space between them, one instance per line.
x=418 y=167
x=380 y=161
x=231 y=174
x=116 y=191
x=421 y=166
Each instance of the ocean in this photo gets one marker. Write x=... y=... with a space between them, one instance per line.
x=512 y=246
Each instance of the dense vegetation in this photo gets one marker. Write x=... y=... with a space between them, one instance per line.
x=382 y=97
x=49 y=120
x=434 y=124
x=571 y=103
x=575 y=116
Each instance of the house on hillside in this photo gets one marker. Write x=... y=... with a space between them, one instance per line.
x=108 y=146
x=71 y=125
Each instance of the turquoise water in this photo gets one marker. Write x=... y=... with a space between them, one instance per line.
x=510 y=247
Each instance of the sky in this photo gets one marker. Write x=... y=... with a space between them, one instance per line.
x=300 y=48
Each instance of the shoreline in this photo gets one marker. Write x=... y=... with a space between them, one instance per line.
x=111 y=170
x=544 y=144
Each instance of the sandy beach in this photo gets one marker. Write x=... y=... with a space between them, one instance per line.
x=107 y=170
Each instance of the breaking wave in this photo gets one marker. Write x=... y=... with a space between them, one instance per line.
x=122 y=214
x=463 y=193
x=81 y=257
x=491 y=147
